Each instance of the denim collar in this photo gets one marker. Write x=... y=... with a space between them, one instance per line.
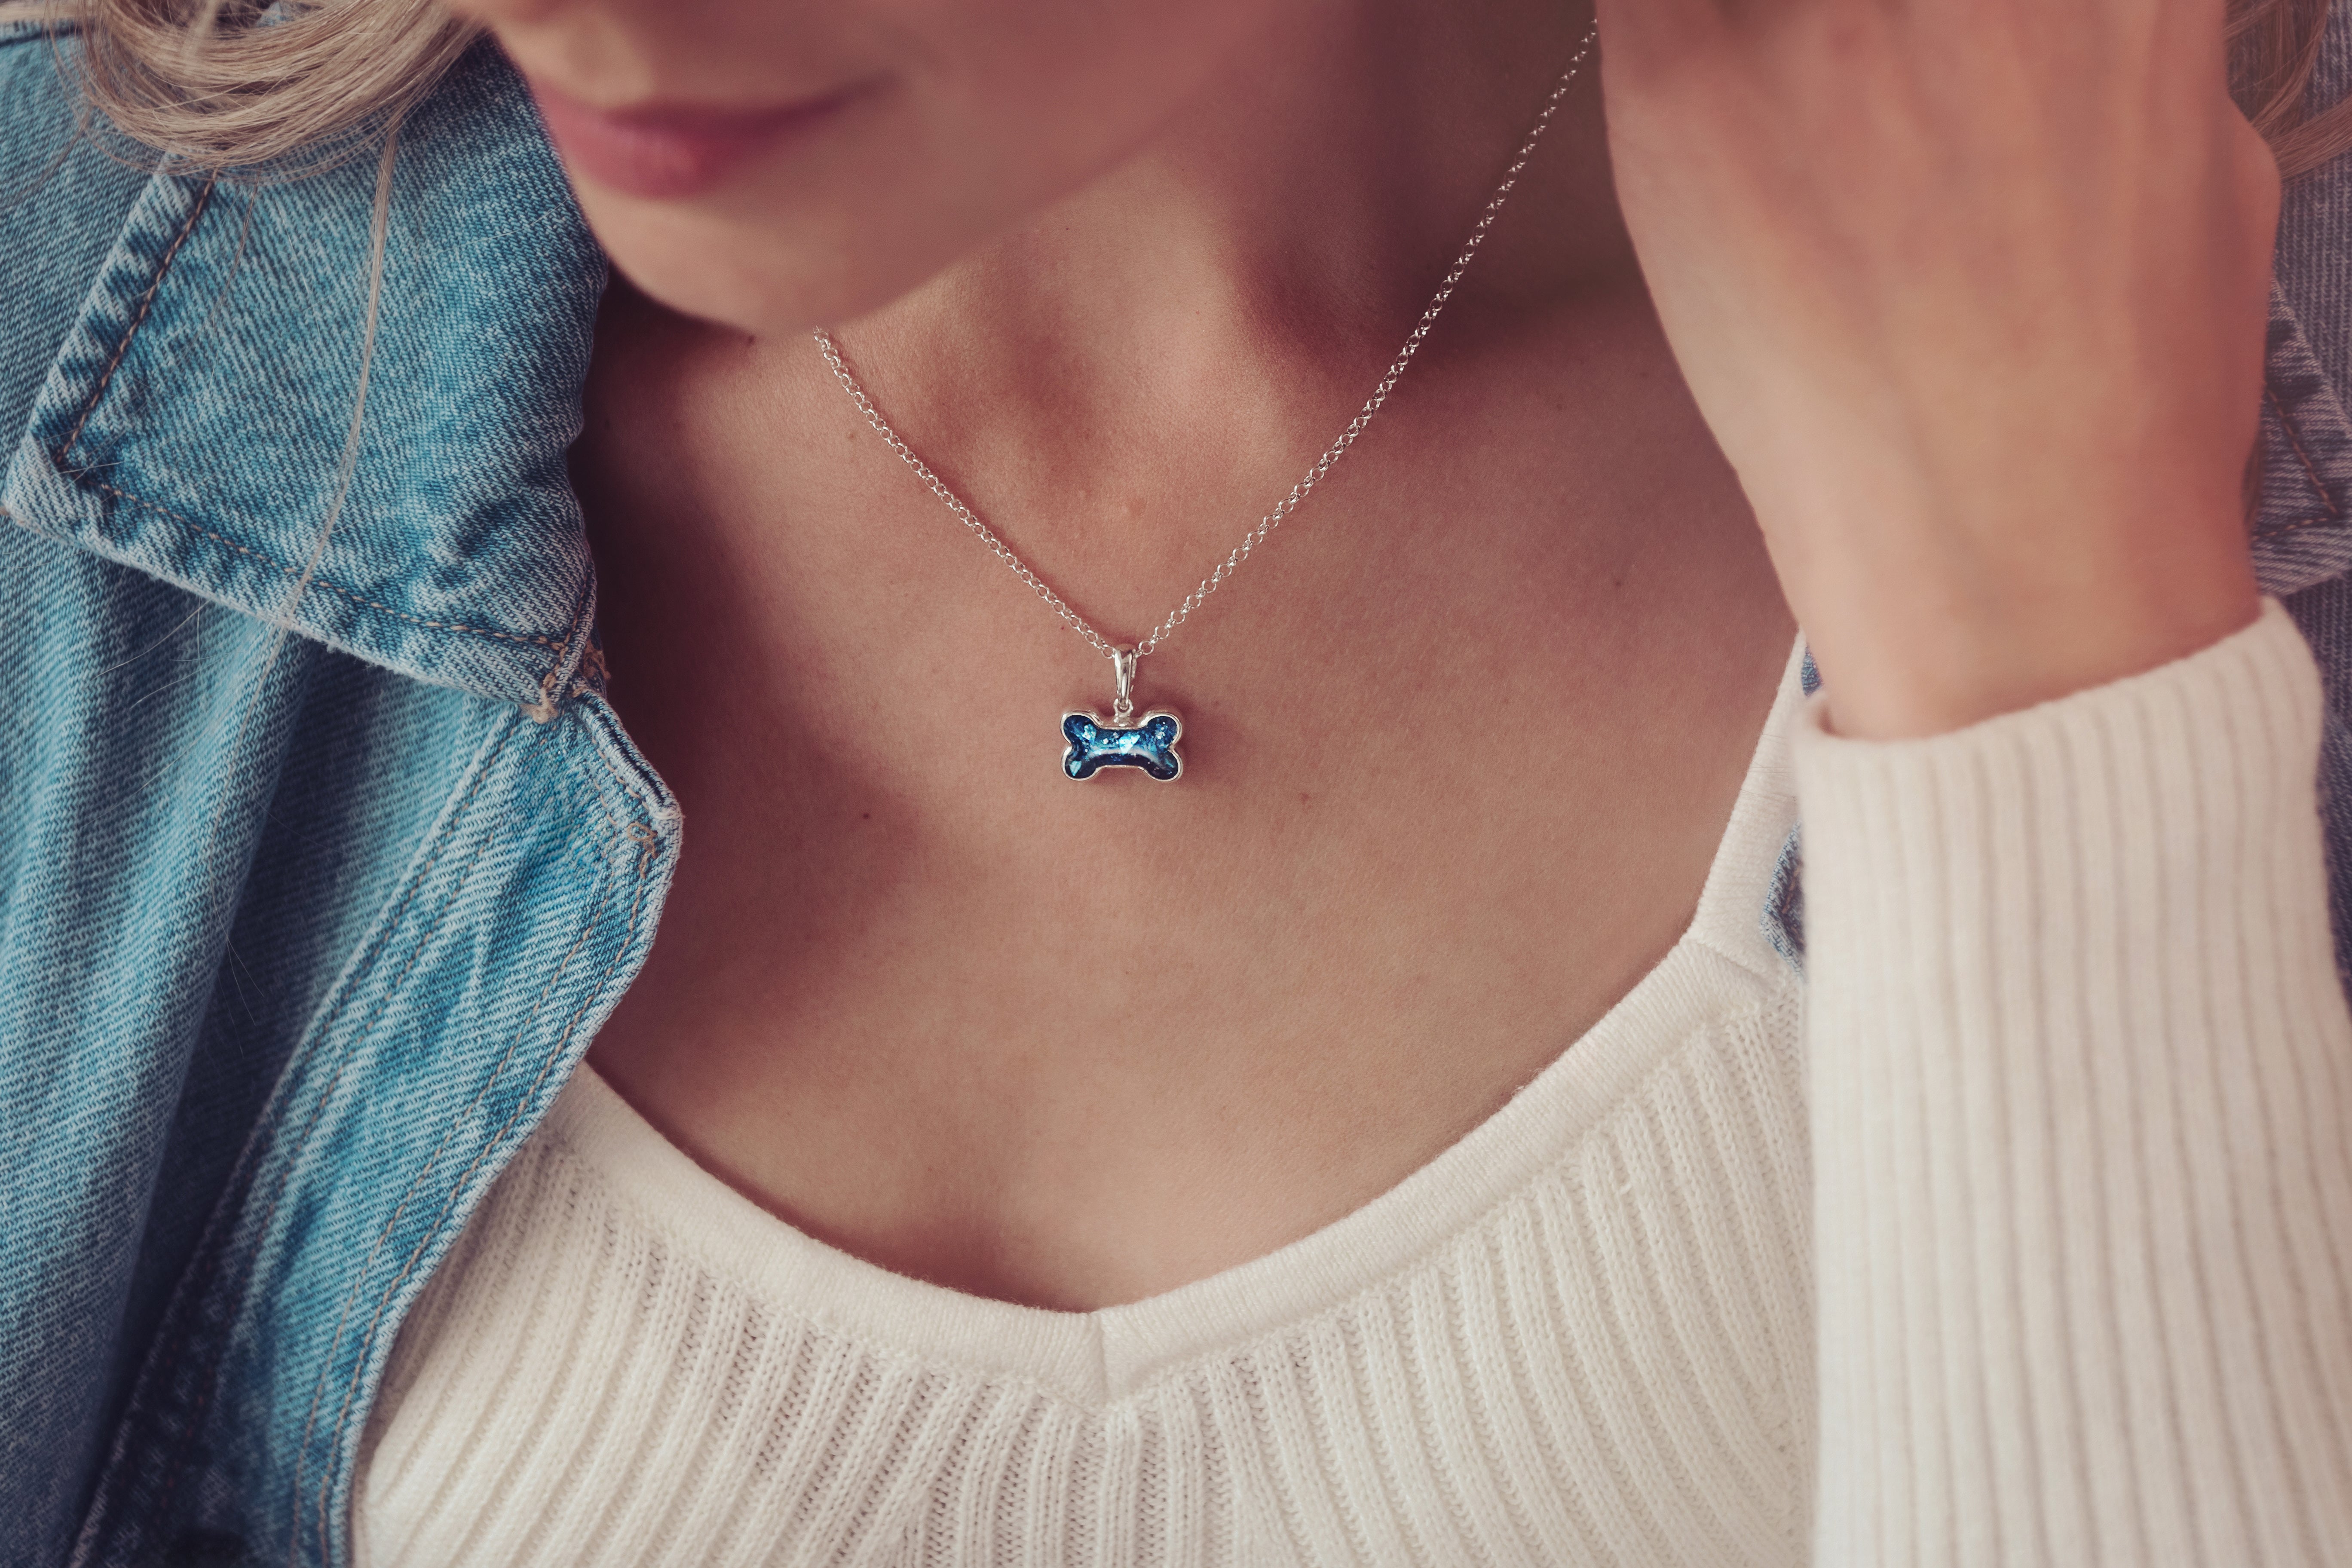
x=192 y=423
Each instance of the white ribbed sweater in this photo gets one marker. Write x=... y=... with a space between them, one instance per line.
x=2022 y=1239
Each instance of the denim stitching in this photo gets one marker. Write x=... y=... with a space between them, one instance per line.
x=301 y=1450
x=209 y=1376
x=636 y=829
x=544 y=710
x=286 y=1172
x=2310 y=471
x=342 y=1418
x=105 y=378
x=375 y=1320
x=593 y=671
x=146 y=302
x=359 y=1277
x=268 y=559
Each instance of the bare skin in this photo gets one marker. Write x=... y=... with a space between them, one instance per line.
x=1972 y=299
x=1448 y=796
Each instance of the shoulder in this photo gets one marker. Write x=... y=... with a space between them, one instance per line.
x=182 y=393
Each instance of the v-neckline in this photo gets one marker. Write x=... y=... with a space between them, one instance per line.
x=1097 y=1357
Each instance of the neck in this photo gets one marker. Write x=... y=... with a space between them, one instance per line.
x=1217 y=306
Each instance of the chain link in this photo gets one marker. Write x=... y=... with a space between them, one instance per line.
x=1299 y=491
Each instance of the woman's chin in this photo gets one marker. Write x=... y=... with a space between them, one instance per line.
x=708 y=267
x=763 y=274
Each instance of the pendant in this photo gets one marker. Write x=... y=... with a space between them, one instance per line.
x=1122 y=743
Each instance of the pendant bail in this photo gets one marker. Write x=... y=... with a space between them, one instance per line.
x=1122 y=706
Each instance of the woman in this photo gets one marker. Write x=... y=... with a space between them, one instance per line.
x=1385 y=1101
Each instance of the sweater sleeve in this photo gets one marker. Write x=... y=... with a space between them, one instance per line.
x=2080 y=1075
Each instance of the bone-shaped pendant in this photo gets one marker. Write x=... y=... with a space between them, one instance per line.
x=1149 y=746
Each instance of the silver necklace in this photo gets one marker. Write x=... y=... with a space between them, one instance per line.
x=1091 y=743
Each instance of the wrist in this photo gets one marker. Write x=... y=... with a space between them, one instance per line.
x=1967 y=644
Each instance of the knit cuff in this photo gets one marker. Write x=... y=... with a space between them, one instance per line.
x=2078 y=1071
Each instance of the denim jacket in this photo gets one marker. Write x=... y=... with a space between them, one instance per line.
x=321 y=855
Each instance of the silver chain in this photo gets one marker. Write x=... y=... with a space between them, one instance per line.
x=1298 y=493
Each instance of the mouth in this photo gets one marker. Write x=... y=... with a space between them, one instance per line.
x=665 y=151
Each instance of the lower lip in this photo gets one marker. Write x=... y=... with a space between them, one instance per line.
x=668 y=155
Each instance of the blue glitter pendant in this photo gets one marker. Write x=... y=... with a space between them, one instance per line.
x=1095 y=745
x=1149 y=746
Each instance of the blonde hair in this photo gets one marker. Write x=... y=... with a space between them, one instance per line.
x=244 y=82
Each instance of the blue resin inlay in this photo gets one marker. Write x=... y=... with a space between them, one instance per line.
x=1151 y=745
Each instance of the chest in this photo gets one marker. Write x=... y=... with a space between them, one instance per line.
x=1458 y=749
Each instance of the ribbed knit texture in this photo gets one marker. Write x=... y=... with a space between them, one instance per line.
x=2079 y=1076
x=1584 y=1378
x=2074 y=1073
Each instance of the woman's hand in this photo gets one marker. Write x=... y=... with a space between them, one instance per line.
x=1973 y=292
